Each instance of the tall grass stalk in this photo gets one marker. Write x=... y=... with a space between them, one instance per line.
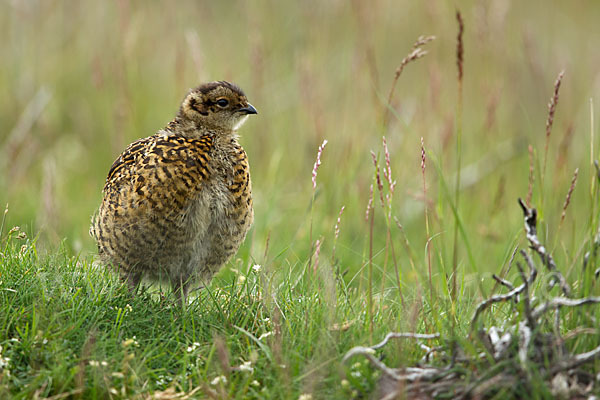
x=316 y=166
x=459 y=113
x=3 y=220
x=549 y=123
x=426 y=211
x=593 y=166
x=370 y=220
x=416 y=53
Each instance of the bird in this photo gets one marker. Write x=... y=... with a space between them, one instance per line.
x=178 y=204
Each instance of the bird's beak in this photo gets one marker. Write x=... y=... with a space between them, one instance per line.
x=248 y=110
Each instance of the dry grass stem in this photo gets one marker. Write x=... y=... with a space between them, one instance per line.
x=370 y=203
x=459 y=116
x=387 y=172
x=531 y=177
x=336 y=233
x=316 y=255
x=378 y=178
x=317 y=164
x=416 y=53
x=550 y=120
x=460 y=46
x=426 y=208
x=568 y=198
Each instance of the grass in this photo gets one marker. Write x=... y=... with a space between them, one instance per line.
x=84 y=81
x=72 y=327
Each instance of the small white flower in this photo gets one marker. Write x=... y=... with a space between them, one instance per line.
x=246 y=366
x=305 y=396
x=265 y=335
x=345 y=383
x=193 y=347
x=255 y=383
x=256 y=268
x=3 y=360
x=219 y=379
x=129 y=342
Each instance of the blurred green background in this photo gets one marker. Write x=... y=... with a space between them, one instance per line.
x=82 y=79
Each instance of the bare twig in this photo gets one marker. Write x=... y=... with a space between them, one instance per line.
x=496 y=299
x=503 y=282
x=530 y=215
x=525 y=337
x=400 y=335
x=368 y=353
x=526 y=302
x=577 y=360
x=558 y=302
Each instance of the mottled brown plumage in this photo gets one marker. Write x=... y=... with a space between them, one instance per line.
x=178 y=204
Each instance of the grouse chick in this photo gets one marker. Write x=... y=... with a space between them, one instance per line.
x=178 y=204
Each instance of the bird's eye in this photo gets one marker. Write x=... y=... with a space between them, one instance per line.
x=222 y=103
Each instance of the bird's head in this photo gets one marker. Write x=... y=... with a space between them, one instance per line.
x=216 y=105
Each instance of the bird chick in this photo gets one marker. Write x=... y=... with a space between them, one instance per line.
x=177 y=205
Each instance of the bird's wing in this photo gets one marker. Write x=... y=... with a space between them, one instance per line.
x=157 y=176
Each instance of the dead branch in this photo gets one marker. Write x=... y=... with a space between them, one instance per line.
x=576 y=360
x=503 y=359
x=503 y=282
x=558 y=302
x=530 y=215
x=400 y=335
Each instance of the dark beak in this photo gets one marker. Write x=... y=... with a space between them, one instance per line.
x=248 y=110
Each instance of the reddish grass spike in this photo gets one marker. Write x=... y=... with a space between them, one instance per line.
x=423 y=155
x=316 y=255
x=387 y=172
x=553 y=102
x=416 y=53
x=317 y=163
x=531 y=177
x=337 y=224
x=370 y=203
x=378 y=177
x=568 y=198
x=550 y=119
x=459 y=45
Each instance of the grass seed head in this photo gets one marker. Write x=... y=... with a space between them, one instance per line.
x=317 y=164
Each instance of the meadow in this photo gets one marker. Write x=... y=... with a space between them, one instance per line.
x=412 y=208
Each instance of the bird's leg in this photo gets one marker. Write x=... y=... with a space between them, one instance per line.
x=133 y=280
x=181 y=288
